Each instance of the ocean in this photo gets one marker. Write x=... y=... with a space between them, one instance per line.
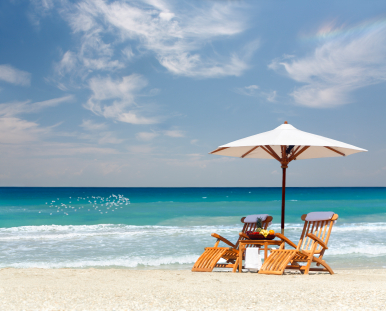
x=168 y=228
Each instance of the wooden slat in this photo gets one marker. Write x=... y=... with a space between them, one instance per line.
x=324 y=233
x=284 y=264
x=308 y=239
x=329 y=231
x=304 y=234
x=318 y=232
x=280 y=260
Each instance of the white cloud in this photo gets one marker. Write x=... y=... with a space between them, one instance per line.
x=14 y=130
x=107 y=88
x=271 y=96
x=97 y=132
x=133 y=118
x=254 y=91
x=250 y=90
x=115 y=99
x=338 y=66
x=15 y=108
x=128 y=52
x=174 y=133
x=109 y=138
x=89 y=125
x=176 y=37
x=67 y=63
x=146 y=136
x=14 y=76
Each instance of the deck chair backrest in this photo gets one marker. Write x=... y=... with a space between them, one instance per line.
x=322 y=229
x=252 y=227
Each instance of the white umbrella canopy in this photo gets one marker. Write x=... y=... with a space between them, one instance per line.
x=285 y=144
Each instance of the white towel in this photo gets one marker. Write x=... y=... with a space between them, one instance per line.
x=317 y=216
x=253 y=218
x=252 y=259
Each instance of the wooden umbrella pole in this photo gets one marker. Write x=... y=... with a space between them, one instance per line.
x=284 y=167
x=284 y=164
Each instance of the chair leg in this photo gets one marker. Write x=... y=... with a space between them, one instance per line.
x=324 y=264
x=311 y=256
x=321 y=256
x=307 y=269
x=236 y=266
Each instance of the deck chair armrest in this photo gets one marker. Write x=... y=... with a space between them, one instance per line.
x=285 y=239
x=243 y=235
x=219 y=237
x=316 y=239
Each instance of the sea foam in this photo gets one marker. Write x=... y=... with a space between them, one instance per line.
x=128 y=246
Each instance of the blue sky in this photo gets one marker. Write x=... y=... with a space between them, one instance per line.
x=136 y=93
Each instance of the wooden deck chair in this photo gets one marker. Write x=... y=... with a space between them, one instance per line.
x=310 y=249
x=210 y=257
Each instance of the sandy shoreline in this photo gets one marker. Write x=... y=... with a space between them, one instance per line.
x=114 y=289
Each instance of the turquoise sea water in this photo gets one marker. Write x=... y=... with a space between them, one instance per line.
x=167 y=228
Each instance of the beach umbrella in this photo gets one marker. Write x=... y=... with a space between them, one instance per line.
x=285 y=144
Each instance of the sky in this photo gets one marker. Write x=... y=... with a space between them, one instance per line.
x=137 y=93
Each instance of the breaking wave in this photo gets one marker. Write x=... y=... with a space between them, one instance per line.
x=164 y=247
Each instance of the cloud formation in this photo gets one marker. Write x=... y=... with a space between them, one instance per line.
x=14 y=76
x=344 y=61
x=254 y=91
x=16 y=108
x=148 y=136
x=89 y=125
x=14 y=130
x=174 y=133
x=98 y=132
x=115 y=99
x=175 y=36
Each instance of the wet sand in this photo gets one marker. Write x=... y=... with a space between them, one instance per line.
x=120 y=289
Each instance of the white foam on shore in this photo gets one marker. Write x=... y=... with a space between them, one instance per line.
x=57 y=232
x=108 y=227
x=361 y=249
x=111 y=245
x=126 y=262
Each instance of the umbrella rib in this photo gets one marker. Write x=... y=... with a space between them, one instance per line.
x=218 y=149
x=273 y=152
x=245 y=154
x=295 y=155
x=332 y=149
x=275 y=156
x=296 y=149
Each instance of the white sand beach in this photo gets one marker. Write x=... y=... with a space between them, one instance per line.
x=120 y=289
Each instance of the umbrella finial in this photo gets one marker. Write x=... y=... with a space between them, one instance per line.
x=285 y=122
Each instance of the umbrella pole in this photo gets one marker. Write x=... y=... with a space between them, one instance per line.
x=284 y=167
